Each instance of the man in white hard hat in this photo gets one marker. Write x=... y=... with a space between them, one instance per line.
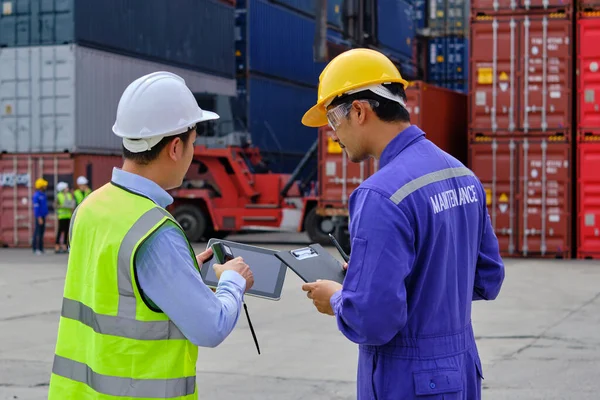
x=83 y=190
x=65 y=204
x=135 y=308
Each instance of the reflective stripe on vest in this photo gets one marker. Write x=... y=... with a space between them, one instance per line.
x=125 y=325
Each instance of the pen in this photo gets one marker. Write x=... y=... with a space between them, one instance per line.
x=339 y=248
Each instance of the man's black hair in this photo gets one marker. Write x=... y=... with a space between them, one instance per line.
x=146 y=157
x=388 y=110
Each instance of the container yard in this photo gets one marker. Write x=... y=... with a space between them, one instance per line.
x=508 y=88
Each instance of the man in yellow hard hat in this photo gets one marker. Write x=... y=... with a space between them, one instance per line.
x=423 y=247
x=40 y=212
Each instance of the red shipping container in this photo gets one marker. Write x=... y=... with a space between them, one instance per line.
x=515 y=7
x=588 y=195
x=528 y=187
x=588 y=67
x=439 y=112
x=17 y=178
x=521 y=75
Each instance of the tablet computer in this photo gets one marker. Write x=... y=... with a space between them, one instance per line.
x=269 y=272
x=312 y=263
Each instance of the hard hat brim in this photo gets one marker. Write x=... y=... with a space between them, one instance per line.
x=316 y=117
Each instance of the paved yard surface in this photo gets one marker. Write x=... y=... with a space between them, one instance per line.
x=539 y=340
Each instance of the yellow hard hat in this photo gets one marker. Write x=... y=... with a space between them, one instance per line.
x=40 y=183
x=350 y=70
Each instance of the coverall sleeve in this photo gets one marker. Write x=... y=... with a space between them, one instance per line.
x=371 y=308
x=489 y=273
x=168 y=276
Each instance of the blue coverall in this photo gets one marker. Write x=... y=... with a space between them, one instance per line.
x=423 y=249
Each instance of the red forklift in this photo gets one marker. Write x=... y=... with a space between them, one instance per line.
x=229 y=188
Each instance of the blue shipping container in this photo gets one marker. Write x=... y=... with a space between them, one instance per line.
x=420 y=10
x=280 y=43
x=406 y=64
x=449 y=17
x=275 y=111
x=448 y=62
x=395 y=26
x=195 y=34
x=334 y=9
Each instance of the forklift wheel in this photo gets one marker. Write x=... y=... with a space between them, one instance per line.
x=318 y=227
x=192 y=220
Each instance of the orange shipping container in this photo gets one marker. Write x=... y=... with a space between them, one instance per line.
x=18 y=173
x=439 y=112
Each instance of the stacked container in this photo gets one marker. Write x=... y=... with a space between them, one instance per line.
x=63 y=67
x=276 y=73
x=447 y=35
x=588 y=129
x=520 y=122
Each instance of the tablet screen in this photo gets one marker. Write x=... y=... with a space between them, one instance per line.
x=268 y=270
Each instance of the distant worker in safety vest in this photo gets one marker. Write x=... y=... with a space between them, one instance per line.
x=423 y=246
x=40 y=212
x=83 y=190
x=65 y=204
x=135 y=308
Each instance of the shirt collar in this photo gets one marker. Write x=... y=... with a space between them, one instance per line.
x=143 y=186
x=402 y=140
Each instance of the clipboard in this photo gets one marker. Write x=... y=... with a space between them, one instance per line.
x=312 y=263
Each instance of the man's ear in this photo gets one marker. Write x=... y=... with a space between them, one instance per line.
x=175 y=148
x=361 y=111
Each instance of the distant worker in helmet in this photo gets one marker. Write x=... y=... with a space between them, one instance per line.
x=40 y=212
x=82 y=191
x=65 y=204
x=132 y=276
x=423 y=247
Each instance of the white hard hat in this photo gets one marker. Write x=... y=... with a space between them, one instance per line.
x=60 y=186
x=82 y=180
x=155 y=106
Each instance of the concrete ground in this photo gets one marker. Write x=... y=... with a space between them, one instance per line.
x=539 y=340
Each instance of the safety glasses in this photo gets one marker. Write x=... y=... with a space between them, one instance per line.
x=336 y=115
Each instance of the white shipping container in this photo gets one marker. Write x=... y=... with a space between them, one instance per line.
x=64 y=98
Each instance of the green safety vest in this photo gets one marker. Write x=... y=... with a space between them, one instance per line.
x=111 y=344
x=63 y=211
x=80 y=195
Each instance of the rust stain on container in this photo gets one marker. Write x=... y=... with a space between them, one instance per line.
x=588 y=66
x=529 y=187
x=588 y=194
x=439 y=112
x=521 y=75
x=18 y=173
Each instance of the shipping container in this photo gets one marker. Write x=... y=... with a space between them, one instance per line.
x=407 y=65
x=439 y=112
x=521 y=75
x=274 y=114
x=279 y=43
x=528 y=194
x=200 y=32
x=64 y=98
x=18 y=173
x=588 y=67
x=588 y=195
x=420 y=10
x=448 y=62
x=448 y=17
x=519 y=7
x=335 y=9
x=396 y=26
